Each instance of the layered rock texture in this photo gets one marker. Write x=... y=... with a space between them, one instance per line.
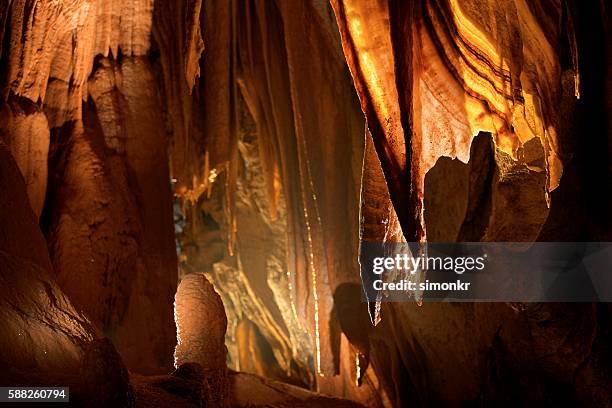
x=246 y=148
x=80 y=103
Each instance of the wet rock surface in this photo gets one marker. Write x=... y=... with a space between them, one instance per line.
x=283 y=133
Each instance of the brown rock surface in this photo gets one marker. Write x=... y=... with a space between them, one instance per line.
x=200 y=324
x=41 y=333
x=251 y=391
x=200 y=334
x=486 y=120
x=77 y=89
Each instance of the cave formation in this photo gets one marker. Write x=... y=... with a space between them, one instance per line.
x=246 y=149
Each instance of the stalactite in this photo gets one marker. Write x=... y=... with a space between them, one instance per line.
x=178 y=40
x=77 y=83
x=249 y=112
x=449 y=71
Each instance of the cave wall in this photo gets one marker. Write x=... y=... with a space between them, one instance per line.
x=292 y=204
x=80 y=100
x=42 y=328
x=282 y=135
x=474 y=111
x=468 y=136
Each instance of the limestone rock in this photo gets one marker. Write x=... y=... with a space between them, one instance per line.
x=42 y=333
x=200 y=331
x=251 y=391
x=200 y=324
x=104 y=377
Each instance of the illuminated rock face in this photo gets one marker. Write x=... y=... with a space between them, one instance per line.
x=27 y=135
x=80 y=99
x=201 y=324
x=290 y=132
x=289 y=212
x=467 y=143
x=471 y=106
x=432 y=75
x=200 y=331
x=109 y=222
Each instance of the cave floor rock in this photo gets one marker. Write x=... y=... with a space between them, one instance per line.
x=246 y=390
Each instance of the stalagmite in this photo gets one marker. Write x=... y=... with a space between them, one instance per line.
x=200 y=331
x=201 y=324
